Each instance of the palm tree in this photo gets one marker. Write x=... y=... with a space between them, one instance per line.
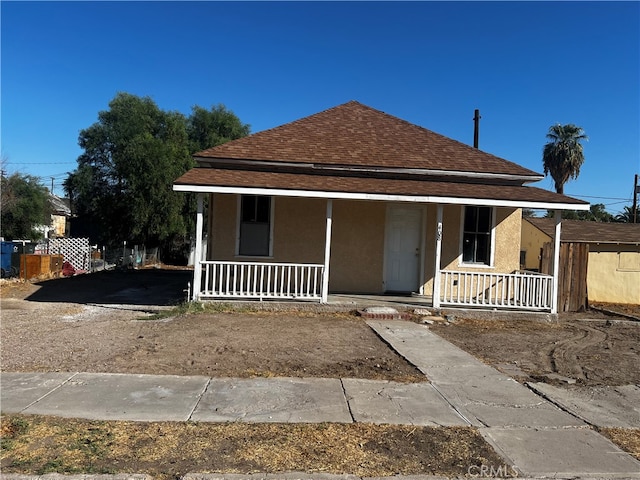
x=562 y=157
x=626 y=216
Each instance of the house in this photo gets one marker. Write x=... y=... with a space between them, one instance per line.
x=352 y=199
x=613 y=255
x=60 y=214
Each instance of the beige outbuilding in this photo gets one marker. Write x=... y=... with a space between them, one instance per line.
x=613 y=260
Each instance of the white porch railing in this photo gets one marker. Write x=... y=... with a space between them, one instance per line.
x=261 y=280
x=520 y=290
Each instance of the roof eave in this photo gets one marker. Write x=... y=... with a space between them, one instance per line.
x=278 y=192
x=525 y=179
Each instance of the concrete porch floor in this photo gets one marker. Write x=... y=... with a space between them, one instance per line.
x=356 y=301
x=346 y=302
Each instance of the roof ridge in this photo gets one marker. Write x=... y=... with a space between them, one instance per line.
x=363 y=135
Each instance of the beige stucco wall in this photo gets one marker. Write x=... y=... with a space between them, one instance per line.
x=507 y=242
x=298 y=230
x=613 y=273
x=357 y=246
x=532 y=240
x=358 y=236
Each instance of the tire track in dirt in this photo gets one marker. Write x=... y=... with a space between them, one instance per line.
x=562 y=357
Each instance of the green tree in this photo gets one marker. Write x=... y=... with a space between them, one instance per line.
x=626 y=216
x=122 y=187
x=123 y=183
x=25 y=207
x=209 y=128
x=562 y=156
x=596 y=213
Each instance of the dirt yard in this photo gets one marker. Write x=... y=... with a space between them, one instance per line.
x=45 y=336
x=108 y=322
x=103 y=323
x=591 y=348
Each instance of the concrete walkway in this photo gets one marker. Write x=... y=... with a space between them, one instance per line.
x=112 y=396
x=533 y=435
x=530 y=433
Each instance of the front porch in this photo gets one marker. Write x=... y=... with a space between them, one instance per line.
x=305 y=282
x=441 y=284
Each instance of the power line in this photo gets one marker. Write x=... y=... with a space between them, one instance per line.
x=603 y=198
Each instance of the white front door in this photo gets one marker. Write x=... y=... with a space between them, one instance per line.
x=402 y=248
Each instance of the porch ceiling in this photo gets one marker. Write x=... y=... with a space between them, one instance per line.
x=219 y=180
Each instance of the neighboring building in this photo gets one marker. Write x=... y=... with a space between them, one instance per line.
x=352 y=199
x=60 y=214
x=613 y=266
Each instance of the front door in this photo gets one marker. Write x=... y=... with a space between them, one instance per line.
x=402 y=248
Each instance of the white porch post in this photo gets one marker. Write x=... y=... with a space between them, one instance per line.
x=197 y=267
x=327 y=252
x=438 y=253
x=556 y=261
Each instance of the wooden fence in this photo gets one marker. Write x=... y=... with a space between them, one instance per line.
x=572 y=275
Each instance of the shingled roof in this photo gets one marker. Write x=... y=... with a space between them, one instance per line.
x=354 y=151
x=341 y=186
x=356 y=135
x=579 y=231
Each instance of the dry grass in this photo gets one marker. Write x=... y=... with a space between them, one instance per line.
x=34 y=444
x=626 y=438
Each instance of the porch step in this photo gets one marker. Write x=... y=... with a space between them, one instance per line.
x=384 y=313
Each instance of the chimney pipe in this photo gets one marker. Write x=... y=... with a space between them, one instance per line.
x=476 y=127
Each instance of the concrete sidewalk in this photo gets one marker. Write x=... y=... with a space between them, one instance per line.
x=110 y=396
x=530 y=433
x=533 y=435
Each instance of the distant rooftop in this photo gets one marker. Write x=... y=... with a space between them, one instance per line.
x=580 y=231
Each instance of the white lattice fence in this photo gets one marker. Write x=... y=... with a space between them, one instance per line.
x=76 y=251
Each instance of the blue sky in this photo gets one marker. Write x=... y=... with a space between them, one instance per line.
x=525 y=65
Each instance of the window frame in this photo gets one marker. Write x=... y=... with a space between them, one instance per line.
x=239 y=225
x=492 y=238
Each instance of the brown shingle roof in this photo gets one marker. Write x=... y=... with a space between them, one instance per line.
x=580 y=231
x=349 y=184
x=358 y=135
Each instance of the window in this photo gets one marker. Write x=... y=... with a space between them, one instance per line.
x=255 y=226
x=476 y=237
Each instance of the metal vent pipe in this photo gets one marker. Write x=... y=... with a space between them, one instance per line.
x=476 y=127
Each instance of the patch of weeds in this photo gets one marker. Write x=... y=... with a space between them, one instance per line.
x=194 y=308
x=59 y=465
x=10 y=429
x=93 y=444
x=55 y=465
x=18 y=464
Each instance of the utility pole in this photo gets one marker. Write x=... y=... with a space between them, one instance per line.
x=51 y=185
x=636 y=188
